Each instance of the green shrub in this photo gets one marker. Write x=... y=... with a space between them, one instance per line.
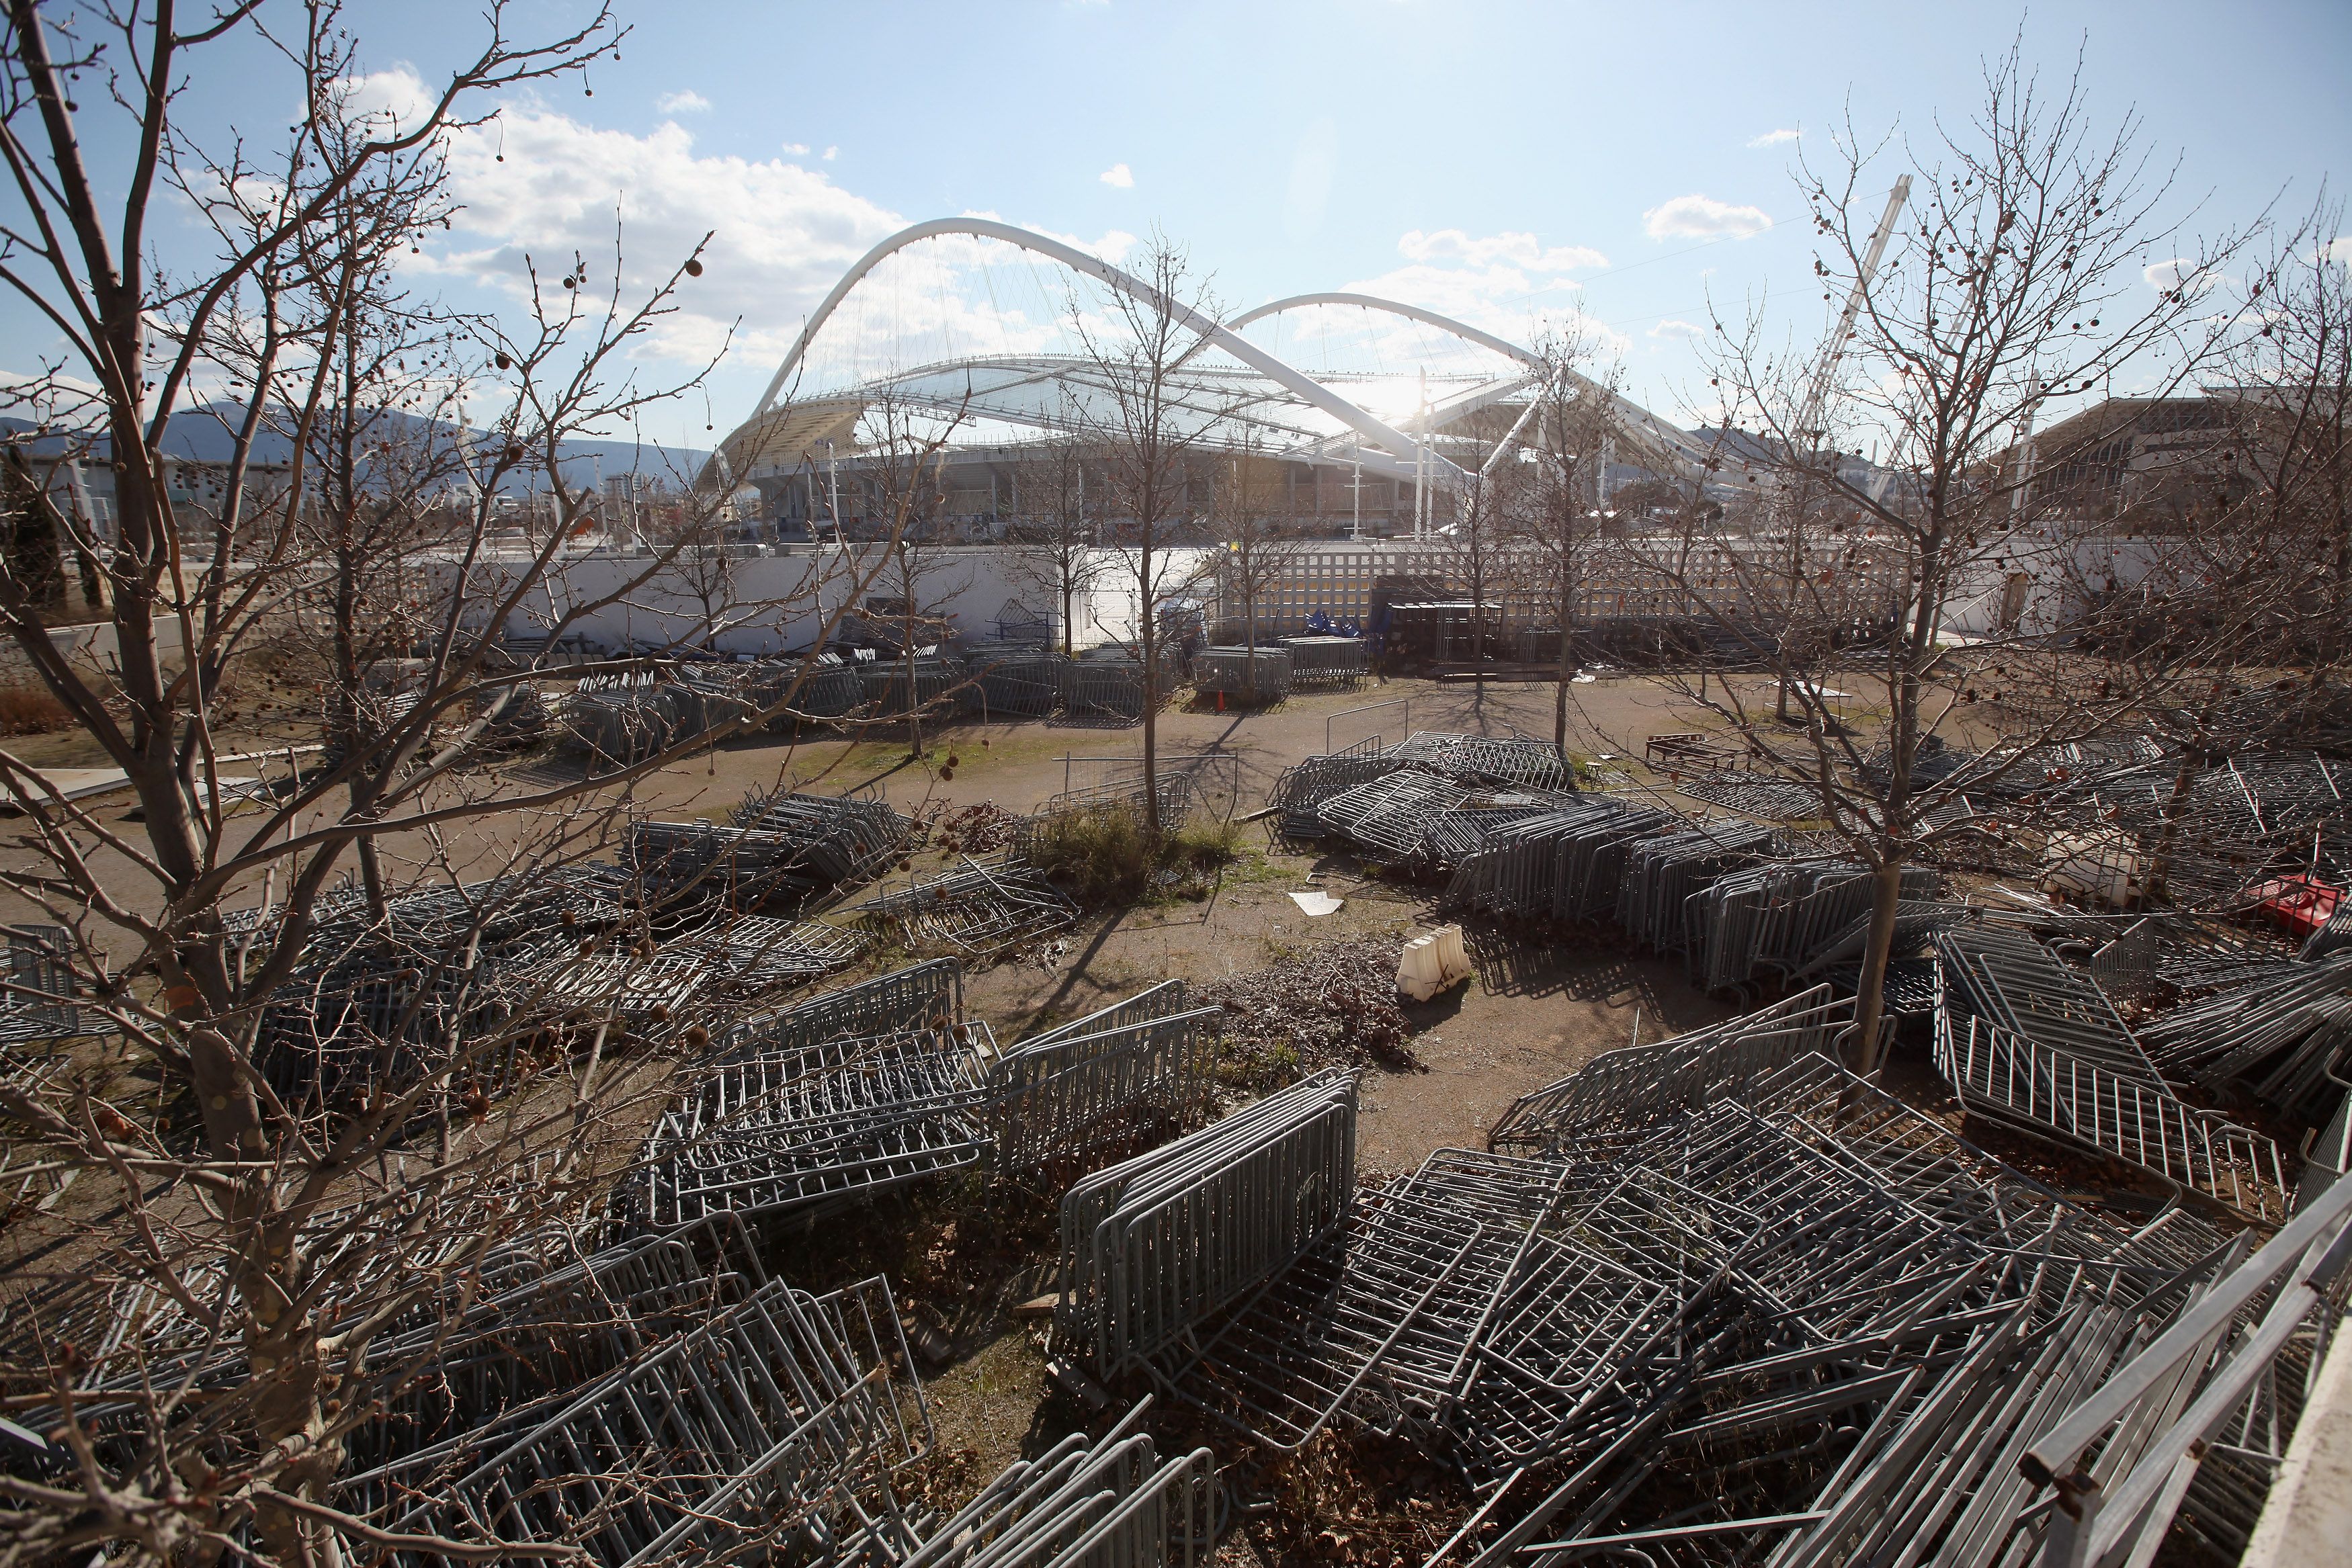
x=1104 y=857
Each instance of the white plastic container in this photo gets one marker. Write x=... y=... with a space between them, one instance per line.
x=1434 y=963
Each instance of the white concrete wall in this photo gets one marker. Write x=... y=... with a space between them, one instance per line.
x=773 y=603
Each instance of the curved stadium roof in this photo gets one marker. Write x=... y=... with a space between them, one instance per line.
x=995 y=333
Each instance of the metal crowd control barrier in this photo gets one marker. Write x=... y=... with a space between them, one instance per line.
x=1051 y=1099
x=1774 y=1314
x=1485 y=760
x=926 y=996
x=759 y=1429
x=2284 y=1031
x=1260 y=677
x=2159 y=1437
x=1328 y=663
x=1151 y=1245
x=834 y=839
x=1778 y=916
x=1389 y=816
x=979 y=909
x=1113 y=1503
x=1639 y=1085
x=750 y=954
x=808 y=1129
x=37 y=1004
x=1303 y=786
x=2020 y=1083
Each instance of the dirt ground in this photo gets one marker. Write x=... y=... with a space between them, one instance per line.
x=1539 y=1005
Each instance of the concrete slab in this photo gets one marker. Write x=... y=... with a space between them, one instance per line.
x=2308 y=1522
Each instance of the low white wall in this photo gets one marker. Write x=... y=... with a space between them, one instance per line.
x=92 y=643
x=773 y=603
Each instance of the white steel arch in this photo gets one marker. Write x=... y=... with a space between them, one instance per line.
x=1674 y=446
x=1304 y=387
x=1462 y=329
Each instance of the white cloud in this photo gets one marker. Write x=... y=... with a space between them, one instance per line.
x=1773 y=138
x=1121 y=175
x=831 y=154
x=796 y=148
x=1509 y=284
x=2180 y=272
x=1683 y=330
x=781 y=234
x=688 y=102
x=392 y=98
x=1697 y=216
x=1507 y=249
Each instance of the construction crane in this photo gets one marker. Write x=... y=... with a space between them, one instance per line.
x=1812 y=412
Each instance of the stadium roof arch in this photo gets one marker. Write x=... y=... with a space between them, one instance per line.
x=1229 y=394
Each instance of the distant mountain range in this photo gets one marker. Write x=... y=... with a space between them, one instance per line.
x=202 y=434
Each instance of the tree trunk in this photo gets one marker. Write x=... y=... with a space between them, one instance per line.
x=1148 y=634
x=1870 y=1003
x=2169 y=838
x=1249 y=634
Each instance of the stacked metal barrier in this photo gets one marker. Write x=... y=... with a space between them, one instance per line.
x=1053 y=1098
x=1114 y=1503
x=1455 y=836
x=927 y=683
x=709 y=697
x=680 y=865
x=2189 y=1432
x=436 y=985
x=978 y=910
x=1100 y=688
x=38 y=1005
x=830 y=690
x=2028 y=1043
x=2284 y=1031
x=749 y=954
x=1640 y=1085
x=1756 y=1311
x=759 y=1429
x=622 y=720
x=1485 y=760
x=647 y=995
x=1152 y=1246
x=1255 y=675
x=1778 y=916
x=924 y=997
x=1020 y=682
x=1304 y=786
x=807 y=1128
x=1328 y=663
x=1389 y=816
x=1757 y=795
x=539 y=1328
x=837 y=840
x=1661 y=874
x=375 y=1022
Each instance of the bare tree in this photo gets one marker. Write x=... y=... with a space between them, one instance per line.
x=1260 y=542
x=902 y=468
x=1151 y=424
x=2014 y=277
x=359 y=1097
x=1554 y=522
x=1054 y=533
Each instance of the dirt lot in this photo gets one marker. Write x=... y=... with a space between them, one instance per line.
x=1540 y=1005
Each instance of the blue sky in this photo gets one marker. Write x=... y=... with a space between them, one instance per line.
x=1492 y=159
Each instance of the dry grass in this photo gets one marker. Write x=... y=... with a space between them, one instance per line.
x=27 y=709
x=1105 y=857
